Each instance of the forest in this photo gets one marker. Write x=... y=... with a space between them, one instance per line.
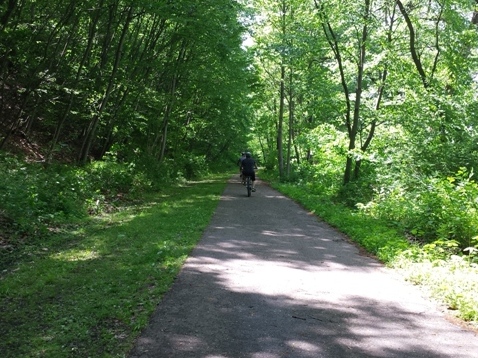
x=361 y=107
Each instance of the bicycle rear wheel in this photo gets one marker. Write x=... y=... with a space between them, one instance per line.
x=248 y=186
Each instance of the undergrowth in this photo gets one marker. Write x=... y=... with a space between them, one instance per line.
x=84 y=265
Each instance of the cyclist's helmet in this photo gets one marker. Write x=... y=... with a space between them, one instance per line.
x=248 y=154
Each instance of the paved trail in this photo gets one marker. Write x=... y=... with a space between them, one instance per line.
x=268 y=280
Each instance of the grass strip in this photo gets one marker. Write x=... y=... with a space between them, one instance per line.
x=90 y=291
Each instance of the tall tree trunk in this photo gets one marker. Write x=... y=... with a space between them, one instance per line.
x=181 y=57
x=334 y=45
x=358 y=99
x=413 y=50
x=91 y=130
x=378 y=102
x=71 y=97
x=291 y=125
x=352 y=122
x=280 y=124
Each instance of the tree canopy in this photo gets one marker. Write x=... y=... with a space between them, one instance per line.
x=163 y=79
x=373 y=101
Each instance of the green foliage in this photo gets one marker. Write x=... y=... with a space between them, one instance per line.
x=355 y=192
x=168 y=78
x=194 y=166
x=36 y=197
x=177 y=170
x=433 y=208
x=322 y=172
x=39 y=199
x=114 y=177
x=453 y=280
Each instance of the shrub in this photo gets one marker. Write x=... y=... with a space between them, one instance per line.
x=431 y=208
x=452 y=280
x=34 y=196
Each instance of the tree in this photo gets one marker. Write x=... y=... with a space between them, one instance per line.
x=131 y=77
x=283 y=40
x=361 y=68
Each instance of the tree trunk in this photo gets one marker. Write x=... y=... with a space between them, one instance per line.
x=111 y=124
x=474 y=19
x=12 y=4
x=358 y=98
x=413 y=50
x=291 y=125
x=91 y=131
x=280 y=125
x=71 y=97
x=171 y=99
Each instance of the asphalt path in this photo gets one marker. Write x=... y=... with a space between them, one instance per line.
x=269 y=280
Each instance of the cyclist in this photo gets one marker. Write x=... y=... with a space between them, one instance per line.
x=248 y=166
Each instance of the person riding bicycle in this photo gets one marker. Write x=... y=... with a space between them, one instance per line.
x=248 y=166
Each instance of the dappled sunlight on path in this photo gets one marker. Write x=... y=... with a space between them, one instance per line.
x=268 y=280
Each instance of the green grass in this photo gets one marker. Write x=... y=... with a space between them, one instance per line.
x=89 y=290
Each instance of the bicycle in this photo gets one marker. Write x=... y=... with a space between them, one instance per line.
x=248 y=184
